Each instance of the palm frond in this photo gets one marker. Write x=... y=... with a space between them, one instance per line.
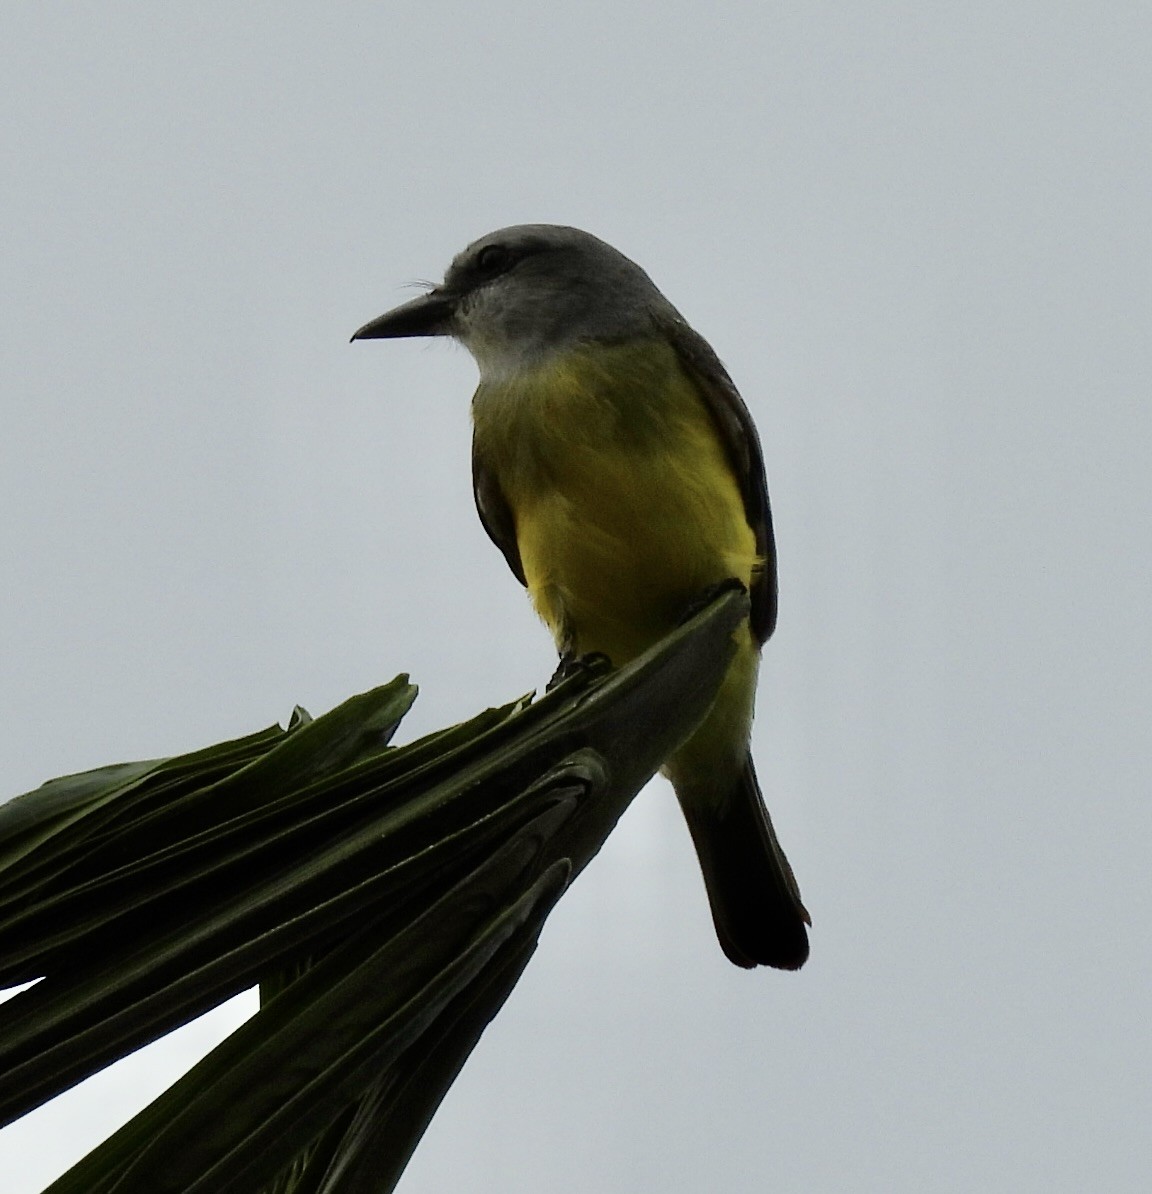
x=386 y=899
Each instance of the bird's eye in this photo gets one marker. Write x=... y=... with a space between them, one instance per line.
x=493 y=260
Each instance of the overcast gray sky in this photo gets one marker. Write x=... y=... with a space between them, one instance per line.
x=919 y=236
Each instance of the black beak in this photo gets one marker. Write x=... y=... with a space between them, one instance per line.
x=428 y=315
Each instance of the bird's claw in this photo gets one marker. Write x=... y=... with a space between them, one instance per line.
x=571 y=663
x=729 y=585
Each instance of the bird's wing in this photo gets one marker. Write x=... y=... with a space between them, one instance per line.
x=496 y=515
x=742 y=445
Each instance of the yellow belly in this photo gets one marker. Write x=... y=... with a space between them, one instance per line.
x=625 y=506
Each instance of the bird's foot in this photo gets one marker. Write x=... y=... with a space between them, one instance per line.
x=570 y=664
x=731 y=584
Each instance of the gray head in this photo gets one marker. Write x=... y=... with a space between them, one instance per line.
x=517 y=295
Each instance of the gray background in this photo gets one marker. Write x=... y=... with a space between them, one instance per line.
x=919 y=237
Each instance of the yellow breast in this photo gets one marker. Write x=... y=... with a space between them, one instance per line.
x=625 y=505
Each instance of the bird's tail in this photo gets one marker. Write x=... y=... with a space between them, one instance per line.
x=756 y=905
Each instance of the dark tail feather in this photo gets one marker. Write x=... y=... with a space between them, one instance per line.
x=755 y=901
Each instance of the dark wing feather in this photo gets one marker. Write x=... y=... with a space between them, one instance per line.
x=742 y=444
x=495 y=515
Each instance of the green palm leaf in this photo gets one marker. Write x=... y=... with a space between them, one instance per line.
x=386 y=899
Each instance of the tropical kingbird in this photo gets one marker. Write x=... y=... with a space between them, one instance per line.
x=618 y=470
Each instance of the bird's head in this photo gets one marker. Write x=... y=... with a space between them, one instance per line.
x=517 y=295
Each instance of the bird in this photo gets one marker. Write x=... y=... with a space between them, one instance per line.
x=619 y=472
